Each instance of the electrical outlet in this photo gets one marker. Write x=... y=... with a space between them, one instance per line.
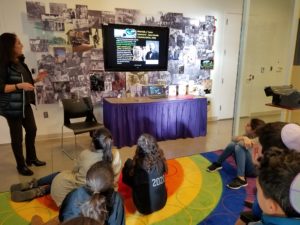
x=46 y=115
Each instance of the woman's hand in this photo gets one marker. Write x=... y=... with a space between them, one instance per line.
x=41 y=75
x=25 y=86
x=247 y=142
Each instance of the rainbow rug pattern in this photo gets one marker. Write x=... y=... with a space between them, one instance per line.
x=194 y=197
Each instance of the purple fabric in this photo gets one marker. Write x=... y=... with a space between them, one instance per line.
x=166 y=120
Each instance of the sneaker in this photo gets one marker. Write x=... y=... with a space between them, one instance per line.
x=214 y=167
x=28 y=195
x=237 y=183
x=24 y=186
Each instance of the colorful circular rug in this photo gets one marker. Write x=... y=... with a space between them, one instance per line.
x=194 y=197
x=192 y=194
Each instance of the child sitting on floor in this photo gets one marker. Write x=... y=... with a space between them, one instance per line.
x=96 y=199
x=278 y=168
x=240 y=148
x=145 y=175
x=276 y=134
x=61 y=183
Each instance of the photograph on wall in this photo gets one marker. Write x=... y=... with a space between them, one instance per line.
x=97 y=81
x=149 y=19
x=60 y=72
x=53 y=22
x=80 y=24
x=35 y=9
x=206 y=86
x=45 y=93
x=59 y=54
x=38 y=45
x=134 y=83
x=97 y=65
x=58 y=8
x=96 y=54
x=172 y=20
x=119 y=82
x=203 y=75
x=96 y=37
x=180 y=78
x=81 y=11
x=159 y=77
x=78 y=37
x=108 y=82
x=126 y=16
x=175 y=49
x=47 y=62
x=190 y=58
x=62 y=90
x=69 y=14
x=108 y=17
x=174 y=66
x=207 y=64
x=56 y=41
x=95 y=18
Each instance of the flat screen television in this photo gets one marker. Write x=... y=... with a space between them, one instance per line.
x=135 y=48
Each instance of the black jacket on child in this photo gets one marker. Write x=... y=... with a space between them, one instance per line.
x=148 y=188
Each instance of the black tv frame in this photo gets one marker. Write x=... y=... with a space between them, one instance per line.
x=110 y=51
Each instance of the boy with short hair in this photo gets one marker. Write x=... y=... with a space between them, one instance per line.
x=278 y=168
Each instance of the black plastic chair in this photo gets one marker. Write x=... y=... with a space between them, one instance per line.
x=79 y=108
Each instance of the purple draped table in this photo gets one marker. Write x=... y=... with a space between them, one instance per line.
x=165 y=119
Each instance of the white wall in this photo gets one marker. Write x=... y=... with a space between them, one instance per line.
x=13 y=19
x=267 y=45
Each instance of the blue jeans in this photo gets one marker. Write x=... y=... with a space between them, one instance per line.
x=47 y=180
x=243 y=159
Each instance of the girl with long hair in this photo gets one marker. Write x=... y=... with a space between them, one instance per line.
x=145 y=174
x=101 y=150
x=61 y=183
x=96 y=199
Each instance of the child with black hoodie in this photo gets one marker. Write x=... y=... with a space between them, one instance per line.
x=145 y=174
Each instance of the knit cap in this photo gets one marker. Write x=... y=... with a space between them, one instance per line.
x=295 y=193
x=290 y=135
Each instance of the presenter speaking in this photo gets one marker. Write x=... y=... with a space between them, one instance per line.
x=16 y=97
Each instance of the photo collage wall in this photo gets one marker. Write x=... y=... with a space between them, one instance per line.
x=73 y=73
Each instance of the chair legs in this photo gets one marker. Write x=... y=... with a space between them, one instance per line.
x=62 y=137
x=62 y=145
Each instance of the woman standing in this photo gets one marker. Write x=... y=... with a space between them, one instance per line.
x=16 y=95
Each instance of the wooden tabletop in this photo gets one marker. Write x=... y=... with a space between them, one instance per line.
x=147 y=99
x=282 y=107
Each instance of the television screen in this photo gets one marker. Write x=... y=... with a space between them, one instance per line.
x=135 y=48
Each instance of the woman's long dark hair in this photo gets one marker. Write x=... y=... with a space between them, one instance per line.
x=102 y=140
x=256 y=124
x=100 y=183
x=7 y=44
x=270 y=136
x=148 y=155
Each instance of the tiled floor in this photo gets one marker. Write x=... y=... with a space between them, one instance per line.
x=218 y=136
